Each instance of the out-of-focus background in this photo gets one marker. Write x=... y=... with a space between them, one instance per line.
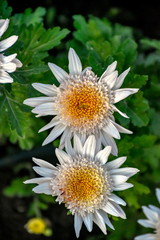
x=142 y=15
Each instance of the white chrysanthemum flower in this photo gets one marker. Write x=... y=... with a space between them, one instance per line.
x=84 y=182
x=153 y=221
x=8 y=64
x=82 y=104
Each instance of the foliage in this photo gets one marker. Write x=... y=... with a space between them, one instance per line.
x=32 y=47
x=98 y=42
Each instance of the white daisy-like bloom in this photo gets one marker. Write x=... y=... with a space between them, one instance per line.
x=83 y=104
x=8 y=64
x=153 y=220
x=84 y=181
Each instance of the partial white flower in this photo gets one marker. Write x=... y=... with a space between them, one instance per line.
x=84 y=181
x=83 y=104
x=8 y=64
x=153 y=221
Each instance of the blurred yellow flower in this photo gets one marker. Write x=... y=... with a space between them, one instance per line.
x=36 y=226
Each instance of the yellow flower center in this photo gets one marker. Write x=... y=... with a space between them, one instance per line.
x=82 y=186
x=36 y=225
x=83 y=104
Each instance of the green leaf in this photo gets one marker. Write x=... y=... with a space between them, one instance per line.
x=28 y=18
x=42 y=205
x=138 y=110
x=144 y=141
x=82 y=34
x=13 y=113
x=135 y=80
x=5 y=10
x=16 y=124
x=103 y=49
x=35 y=47
x=18 y=189
x=152 y=156
x=125 y=145
x=125 y=31
x=151 y=43
x=95 y=62
x=154 y=123
x=132 y=200
x=129 y=47
x=140 y=188
x=47 y=198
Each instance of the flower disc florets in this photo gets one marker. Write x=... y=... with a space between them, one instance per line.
x=82 y=185
x=83 y=104
x=84 y=181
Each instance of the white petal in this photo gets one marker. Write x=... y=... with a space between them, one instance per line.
x=108 y=140
x=111 y=79
x=98 y=219
x=5 y=78
x=68 y=146
x=47 y=89
x=56 y=131
x=3 y=26
x=75 y=66
x=120 y=210
x=62 y=156
x=146 y=237
x=109 y=70
x=87 y=68
x=45 y=109
x=111 y=130
x=58 y=72
x=82 y=136
x=9 y=67
x=44 y=172
x=65 y=137
x=121 y=113
x=98 y=142
x=55 y=121
x=7 y=43
x=127 y=171
x=116 y=163
x=158 y=194
x=114 y=209
x=153 y=216
x=121 y=78
x=117 y=199
x=122 y=129
x=17 y=62
x=103 y=155
x=123 y=93
x=38 y=180
x=7 y=59
x=123 y=186
x=155 y=209
x=90 y=146
x=34 y=102
x=146 y=223
x=109 y=208
x=43 y=163
x=118 y=179
x=77 y=145
x=105 y=218
x=88 y=221
x=77 y=224
x=43 y=188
